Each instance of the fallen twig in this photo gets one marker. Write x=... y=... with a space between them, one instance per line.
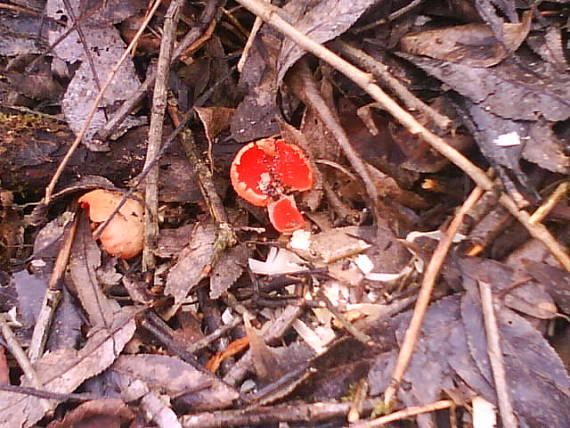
x=542 y=212
x=406 y=413
x=382 y=72
x=430 y=276
x=308 y=413
x=225 y=236
x=274 y=331
x=155 y=133
x=18 y=353
x=496 y=357
x=52 y=295
x=306 y=90
x=83 y=396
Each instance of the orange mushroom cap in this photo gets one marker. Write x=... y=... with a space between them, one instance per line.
x=270 y=167
x=266 y=172
x=123 y=237
x=291 y=166
x=284 y=215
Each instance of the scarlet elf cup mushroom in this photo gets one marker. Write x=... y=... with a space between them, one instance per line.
x=267 y=173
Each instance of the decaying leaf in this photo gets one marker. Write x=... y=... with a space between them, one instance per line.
x=83 y=88
x=191 y=388
x=507 y=89
x=193 y=264
x=228 y=269
x=471 y=44
x=177 y=181
x=172 y=241
x=517 y=289
x=533 y=368
x=84 y=260
x=549 y=46
x=215 y=120
x=320 y=247
x=30 y=289
x=48 y=240
x=109 y=412
x=502 y=110
x=265 y=362
x=255 y=114
x=505 y=142
x=322 y=21
x=453 y=344
x=64 y=370
x=555 y=280
x=20 y=34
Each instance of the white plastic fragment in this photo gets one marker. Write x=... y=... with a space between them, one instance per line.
x=227 y=316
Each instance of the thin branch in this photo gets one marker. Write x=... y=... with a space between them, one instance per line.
x=351 y=329
x=542 y=212
x=20 y=9
x=215 y=335
x=382 y=72
x=424 y=296
x=305 y=89
x=406 y=413
x=155 y=133
x=496 y=357
x=136 y=182
x=253 y=34
x=307 y=414
x=275 y=331
x=393 y=16
x=52 y=295
x=85 y=396
x=76 y=22
x=18 y=353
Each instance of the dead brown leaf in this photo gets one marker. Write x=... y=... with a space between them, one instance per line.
x=197 y=390
x=193 y=263
x=64 y=370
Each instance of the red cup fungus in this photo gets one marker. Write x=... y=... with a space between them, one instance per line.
x=266 y=173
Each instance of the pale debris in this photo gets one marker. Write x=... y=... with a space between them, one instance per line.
x=484 y=413
x=279 y=261
x=317 y=338
x=508 y=140
x=300 y=240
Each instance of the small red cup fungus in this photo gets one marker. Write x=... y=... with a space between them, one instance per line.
x=266 y=172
